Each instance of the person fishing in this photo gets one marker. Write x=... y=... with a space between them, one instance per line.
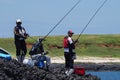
x=38 y=54
x=19 y=36
x=69 y=52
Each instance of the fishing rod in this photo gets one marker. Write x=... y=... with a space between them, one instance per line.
x=91 y=18
x=62 y=19
x=59 y=23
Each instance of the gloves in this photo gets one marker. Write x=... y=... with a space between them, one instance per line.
x=44 y=53
x=76 y=41
x=26 y=35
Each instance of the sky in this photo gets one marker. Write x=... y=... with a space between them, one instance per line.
x=40 y=16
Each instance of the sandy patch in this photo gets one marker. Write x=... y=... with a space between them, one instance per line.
x=86 y=60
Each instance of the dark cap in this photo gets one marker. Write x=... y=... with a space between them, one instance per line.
x=41 y=39
x=71 y=32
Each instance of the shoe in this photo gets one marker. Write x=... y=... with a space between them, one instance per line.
x=69 y=72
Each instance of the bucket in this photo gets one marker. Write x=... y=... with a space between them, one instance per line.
x=79 y=71
x=28 y=62
x=41 y=64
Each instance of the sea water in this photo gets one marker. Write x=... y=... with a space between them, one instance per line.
x=106 y=75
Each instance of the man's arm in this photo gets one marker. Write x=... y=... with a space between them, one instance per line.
x=16 y=31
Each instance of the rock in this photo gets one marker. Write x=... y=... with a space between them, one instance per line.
x=12 y=70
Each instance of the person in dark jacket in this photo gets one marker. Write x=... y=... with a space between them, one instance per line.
x=38 y=54
x=69 y=52
x=19 y=36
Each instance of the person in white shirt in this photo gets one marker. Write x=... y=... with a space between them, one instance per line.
x=19 y=36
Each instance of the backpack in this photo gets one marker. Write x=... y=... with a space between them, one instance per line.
x=65 y=42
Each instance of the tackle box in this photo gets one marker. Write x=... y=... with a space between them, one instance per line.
x=79 y=71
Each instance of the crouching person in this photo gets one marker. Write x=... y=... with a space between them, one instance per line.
x=38 y=55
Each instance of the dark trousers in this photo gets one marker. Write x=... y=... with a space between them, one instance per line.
x=20 y=47
x=68 y=60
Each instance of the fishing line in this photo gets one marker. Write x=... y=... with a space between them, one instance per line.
x=92 y=18
x=60 y=21
x=62 y=18
x=56 y=55
x=32 y=38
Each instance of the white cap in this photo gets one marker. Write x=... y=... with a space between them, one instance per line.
x=18 y=20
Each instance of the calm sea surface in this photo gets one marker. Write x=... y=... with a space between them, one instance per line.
x=106 y=75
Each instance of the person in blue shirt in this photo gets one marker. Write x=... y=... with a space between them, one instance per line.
x=38 y=55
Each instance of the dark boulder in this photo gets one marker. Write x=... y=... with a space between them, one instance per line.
x=12 y=70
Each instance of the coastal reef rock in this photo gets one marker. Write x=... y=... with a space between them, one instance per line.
x=12 y=70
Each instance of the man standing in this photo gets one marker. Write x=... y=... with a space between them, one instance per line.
x=69 y=52
x=19 y=36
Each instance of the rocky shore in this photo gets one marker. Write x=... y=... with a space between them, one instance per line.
x=12 y=70
x=100 y=66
